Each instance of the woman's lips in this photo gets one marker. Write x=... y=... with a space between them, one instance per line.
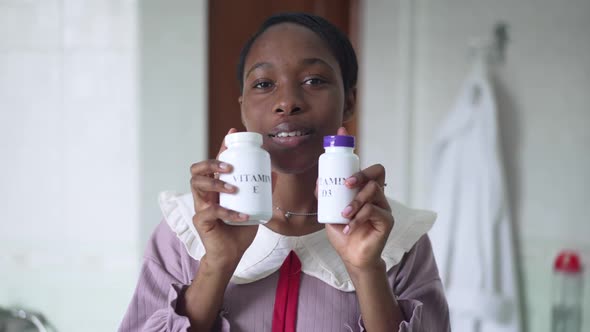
x=290 y=134
x=291 y=139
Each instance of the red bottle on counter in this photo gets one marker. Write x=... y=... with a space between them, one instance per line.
x=567 y=293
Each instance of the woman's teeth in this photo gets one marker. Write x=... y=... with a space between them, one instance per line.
x=290 y=134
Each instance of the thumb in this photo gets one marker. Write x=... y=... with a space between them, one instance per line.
x=315 y=192
x=223 y=147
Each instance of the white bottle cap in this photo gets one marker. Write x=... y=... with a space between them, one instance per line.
x=243 y=137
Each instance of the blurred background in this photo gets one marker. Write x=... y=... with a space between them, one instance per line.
x=104 y=103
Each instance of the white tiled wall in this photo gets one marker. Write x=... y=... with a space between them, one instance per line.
x=100 y=24
x=173 y=131
x=30 y=25
x=69 y=145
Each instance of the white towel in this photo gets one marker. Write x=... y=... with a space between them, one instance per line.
x=472 y=239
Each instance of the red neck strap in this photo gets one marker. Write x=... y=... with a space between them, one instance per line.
x=285 y=311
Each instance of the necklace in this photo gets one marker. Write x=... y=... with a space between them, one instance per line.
x=288 y=214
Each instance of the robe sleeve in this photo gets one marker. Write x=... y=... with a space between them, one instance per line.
x=165 y=275
x=419 y=291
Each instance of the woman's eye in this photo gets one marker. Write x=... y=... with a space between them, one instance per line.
x=314 y=81
x=263 y=85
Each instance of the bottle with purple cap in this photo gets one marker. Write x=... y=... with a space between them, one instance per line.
x=336 y=164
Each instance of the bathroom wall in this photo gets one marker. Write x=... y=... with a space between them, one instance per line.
x=69 y=128
x=173 y=97
x=415 y=56
x=102 y=105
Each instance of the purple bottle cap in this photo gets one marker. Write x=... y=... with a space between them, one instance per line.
x=339 y=140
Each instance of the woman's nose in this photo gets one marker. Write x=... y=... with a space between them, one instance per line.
x=289 y=100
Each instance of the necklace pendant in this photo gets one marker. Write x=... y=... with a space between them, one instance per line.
x=287 y=214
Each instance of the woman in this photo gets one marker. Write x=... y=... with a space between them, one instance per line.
x=298 y=75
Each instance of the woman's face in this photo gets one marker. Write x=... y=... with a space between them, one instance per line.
x=293 y=95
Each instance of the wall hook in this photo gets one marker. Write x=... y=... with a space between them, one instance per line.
x=501 y=39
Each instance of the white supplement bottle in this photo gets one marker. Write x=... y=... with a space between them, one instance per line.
x=336 y=164
x=251 y=176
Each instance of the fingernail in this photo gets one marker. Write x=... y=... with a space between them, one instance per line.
x=223 y=165
x=347 y=210
x=228 y=186
x=346 y=230
x=351 y=180
x=242 y=216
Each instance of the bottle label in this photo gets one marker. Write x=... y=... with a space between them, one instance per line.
x=333 y=194
x=330 y=185
x=253 y=179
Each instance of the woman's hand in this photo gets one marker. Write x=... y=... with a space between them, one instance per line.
x=224 y=244
x=361 y=242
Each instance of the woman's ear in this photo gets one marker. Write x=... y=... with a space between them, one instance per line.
x=349 y=104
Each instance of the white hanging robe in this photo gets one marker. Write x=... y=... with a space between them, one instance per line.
x=472 y=239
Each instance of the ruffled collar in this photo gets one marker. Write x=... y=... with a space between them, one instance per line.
x=318 y=257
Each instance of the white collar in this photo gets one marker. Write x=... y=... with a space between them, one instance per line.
x=318 y=257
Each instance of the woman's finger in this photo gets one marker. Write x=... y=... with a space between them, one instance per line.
x=381 y=219
x=206 y=169
x=375 y=172
x=371 y=193
x=342 y=131
x=207 y=218
x=315 y=191
x=202 y=184
x=207 y=192
x=223 y=147
x=210 y=167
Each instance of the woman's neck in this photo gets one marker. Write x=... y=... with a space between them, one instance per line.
x=295 y=193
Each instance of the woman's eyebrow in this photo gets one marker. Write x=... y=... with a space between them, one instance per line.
x=305 y=62
x=315 y=61
x=258 y=65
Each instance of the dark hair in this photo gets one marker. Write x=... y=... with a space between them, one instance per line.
x=337 y=42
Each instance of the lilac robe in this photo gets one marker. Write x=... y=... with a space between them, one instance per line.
x=168 y=270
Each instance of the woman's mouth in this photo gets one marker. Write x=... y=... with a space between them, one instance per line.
x=291 y=138
x=291 y=133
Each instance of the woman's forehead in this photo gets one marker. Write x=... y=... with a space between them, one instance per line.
x=288 y=40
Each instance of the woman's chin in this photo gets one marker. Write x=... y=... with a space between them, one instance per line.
x=295 y=161
x=294 y=166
